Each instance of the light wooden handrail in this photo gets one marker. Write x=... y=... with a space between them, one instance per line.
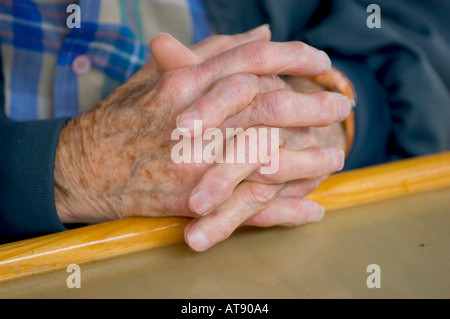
x=89 y=243
x=384 y=181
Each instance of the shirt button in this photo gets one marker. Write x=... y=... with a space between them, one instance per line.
x=81 y=65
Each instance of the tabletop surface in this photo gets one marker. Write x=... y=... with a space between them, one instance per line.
x=407 y=237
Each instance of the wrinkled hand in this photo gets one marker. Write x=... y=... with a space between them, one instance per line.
x=114 y=160
x=224 y=201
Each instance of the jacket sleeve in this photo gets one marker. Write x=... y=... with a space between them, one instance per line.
x=408 y=57
x=27 y=154
x=400 y=70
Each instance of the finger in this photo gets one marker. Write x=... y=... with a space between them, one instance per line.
x=335 y=80
x=287 y=212
x=248 y=199
x=217 y=44
x=169 y=53
x=265 y=58
x=227 y=97
x=306 y=164
x=286 y=108
x=258 y=57
x=246 y=153
x=280 y=107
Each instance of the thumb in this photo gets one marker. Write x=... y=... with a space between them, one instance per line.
x=169 y=53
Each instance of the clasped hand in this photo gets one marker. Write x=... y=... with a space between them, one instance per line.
x=114 y=160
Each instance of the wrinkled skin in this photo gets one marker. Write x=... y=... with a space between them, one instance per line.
x=114 y=160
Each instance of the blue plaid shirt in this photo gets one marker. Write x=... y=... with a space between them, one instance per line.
x=44 y=74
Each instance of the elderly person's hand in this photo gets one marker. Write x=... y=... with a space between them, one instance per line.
x=306 y=157
x=114 y=160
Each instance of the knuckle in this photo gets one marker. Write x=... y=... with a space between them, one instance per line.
x=170 y=78
x=242 y=84
x=245 y=88
x=302 y=52
x=299 y=46
x=235 y=80
x=244 y=80
x=269 y=106
x=258 y=53
x=326 y=106
x=316 y=154
x=259 y=195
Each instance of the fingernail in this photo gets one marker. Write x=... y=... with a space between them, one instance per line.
x=200 y=203
x=316 y=215
x=344 y=106
x=257 y=29
x=338 y=159
x=197 y=240
x=323 y=61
